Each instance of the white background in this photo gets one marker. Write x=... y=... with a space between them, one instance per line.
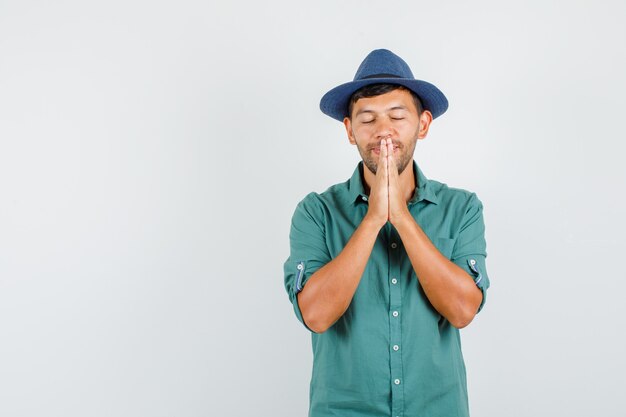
x=152 y=154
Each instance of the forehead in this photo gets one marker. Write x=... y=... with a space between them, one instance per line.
x=384 y=102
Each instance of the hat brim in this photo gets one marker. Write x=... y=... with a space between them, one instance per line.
x=335 y=102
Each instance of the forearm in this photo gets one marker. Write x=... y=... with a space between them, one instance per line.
x=450 y=290
x=329 y=291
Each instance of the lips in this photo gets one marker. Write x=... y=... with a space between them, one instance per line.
x=376 y=149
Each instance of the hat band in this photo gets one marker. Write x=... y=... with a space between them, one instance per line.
x=381 y=76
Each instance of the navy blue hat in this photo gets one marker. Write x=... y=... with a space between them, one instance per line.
x=382 y=66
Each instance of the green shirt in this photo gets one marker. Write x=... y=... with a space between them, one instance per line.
x=391 y=353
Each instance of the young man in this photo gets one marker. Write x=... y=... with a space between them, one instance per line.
x=386 y=267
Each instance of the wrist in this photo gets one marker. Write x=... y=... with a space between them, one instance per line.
x=403 y=219
x=373 y=222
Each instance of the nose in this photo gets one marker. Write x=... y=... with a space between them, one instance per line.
x=383 y=130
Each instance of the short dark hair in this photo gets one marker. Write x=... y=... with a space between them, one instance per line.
x=374 y=90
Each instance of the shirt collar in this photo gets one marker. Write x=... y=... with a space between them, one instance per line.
x=423 y=191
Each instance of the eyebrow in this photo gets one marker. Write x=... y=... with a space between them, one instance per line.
x=372 y=111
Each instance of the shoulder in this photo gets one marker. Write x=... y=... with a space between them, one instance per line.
x=328 y=201
x=454 y=197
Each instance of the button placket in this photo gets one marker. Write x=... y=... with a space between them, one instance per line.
x=395 y=323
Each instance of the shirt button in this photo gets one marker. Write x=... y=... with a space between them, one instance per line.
x=395 y=314
x=397 y=382
x=396 y=347
x=473 y=261
x=299 y=266
x=394 y=281
x=394 y=245
x=364 y=198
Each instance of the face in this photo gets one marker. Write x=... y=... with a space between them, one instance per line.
x=391 y=115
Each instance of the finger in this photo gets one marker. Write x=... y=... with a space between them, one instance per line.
x=383 y=167
x=380 y=159
x=391 y=159
x=383 y=149
x=384 y=159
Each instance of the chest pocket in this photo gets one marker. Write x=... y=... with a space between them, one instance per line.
x=445 y=246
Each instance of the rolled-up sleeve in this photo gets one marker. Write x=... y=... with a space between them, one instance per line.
x=470 y=248
x=308 y=248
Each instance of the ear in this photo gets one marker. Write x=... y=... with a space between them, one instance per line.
x=348 y=125
x=426 y=119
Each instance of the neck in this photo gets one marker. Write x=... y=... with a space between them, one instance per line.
x=407 y=181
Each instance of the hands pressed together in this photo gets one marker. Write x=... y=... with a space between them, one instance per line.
x=386 y=201
x=450 y=290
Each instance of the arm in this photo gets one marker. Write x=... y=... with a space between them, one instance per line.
x=329 y=291
x=450 y=290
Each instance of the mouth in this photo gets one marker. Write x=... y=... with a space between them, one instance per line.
x=376 y=149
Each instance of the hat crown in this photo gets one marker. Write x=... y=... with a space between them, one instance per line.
x=382 y=66
x=382 y=63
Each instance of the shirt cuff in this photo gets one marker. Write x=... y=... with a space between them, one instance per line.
x=297 y=273
x=474 y=265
